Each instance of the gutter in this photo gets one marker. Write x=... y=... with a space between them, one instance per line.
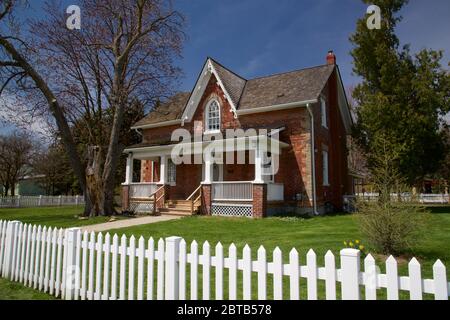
x=313 y=160
x=276 y=107
x=158 y=124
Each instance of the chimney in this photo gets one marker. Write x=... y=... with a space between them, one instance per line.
x=331 y=57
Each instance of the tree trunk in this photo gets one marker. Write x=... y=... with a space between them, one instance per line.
x=94 y=185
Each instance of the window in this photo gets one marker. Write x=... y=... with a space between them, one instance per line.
x=323 y=111
x=267 y=167
x=212 y=116
x=171 y=172
x=325 y=168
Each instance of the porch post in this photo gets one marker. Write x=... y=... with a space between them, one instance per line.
x=129 y=169
x=163 y=169
x=208 y=170
x=258 y=166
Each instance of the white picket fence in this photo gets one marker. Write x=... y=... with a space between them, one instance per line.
x=72 y=264
x=40 y=201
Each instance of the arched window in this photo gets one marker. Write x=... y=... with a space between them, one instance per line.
x=212 y=117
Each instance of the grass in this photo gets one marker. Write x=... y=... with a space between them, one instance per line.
x=320 y=233
x=61 y=217
x=15 y=291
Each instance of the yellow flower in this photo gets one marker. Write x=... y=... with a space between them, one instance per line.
x=351 y=244
x=357 y=241
x=361 y=247
x=345 y=243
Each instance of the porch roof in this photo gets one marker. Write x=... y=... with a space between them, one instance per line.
x=149 y=150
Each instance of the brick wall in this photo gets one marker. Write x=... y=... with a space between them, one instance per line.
x=259 y=200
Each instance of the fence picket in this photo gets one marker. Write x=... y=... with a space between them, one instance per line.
x=311 y=263
x=206 y=270
x=98 y=266
x=440 y=281
x=294 y=275
x=277 y=274
x=37 y=257
x=64 y=264
x=2 y=244
x=18 y=251
x=247 y=272
x=232 y=274
x=27 y=256
x=131 y=262
x=22 y=253
x=106 y=275
x=150 y=268
x=415 y=280
x=84 y=265
x=330 y=275
x=12 y=263
x=194 y=270
x=219 y=271
x=47 y=259
x=182 y=270
x=262 y=274
x=91 y=266
x=371 y=277
x=53 y=249
x=160 y=282
x=59 y=257
x=42 y=258
x=141 y=255
x=392 y=280
x=114 y=259
x=123 y=260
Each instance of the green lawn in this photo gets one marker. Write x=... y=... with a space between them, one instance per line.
x=15 y=291
x=320 y=233
x=67 y=216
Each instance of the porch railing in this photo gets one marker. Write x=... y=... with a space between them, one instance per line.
x=275 y=192
x=142 y=190
x=232 y=191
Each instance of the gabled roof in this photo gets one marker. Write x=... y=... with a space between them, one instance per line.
x=262 y=94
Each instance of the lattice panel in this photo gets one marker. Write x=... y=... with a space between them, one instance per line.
x=232 y=210
x=141 y=207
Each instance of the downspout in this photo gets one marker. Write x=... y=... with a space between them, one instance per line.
x=313 y=160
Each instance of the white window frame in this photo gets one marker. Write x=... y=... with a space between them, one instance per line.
x=323 y=112
x=207 y=116
x=171 y=172
x=268 y=167
x=325 y=168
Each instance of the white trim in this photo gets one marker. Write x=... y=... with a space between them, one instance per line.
x=276 y=107
x=158 y=124
x=324 y=112
x=199 y=89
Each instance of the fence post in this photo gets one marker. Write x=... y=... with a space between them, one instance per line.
x=72 y=270
x=171 y=274
x=350 y=269
x=10 y=241
x=76 y=200
x=40 y=201
x=18 y=201
x=59 y=200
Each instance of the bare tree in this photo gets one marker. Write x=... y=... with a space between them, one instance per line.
x=122 y=55
x=15 y=153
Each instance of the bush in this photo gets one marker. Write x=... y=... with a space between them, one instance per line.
x=390 y=228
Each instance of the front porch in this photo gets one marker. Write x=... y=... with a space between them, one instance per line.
x=209 y=188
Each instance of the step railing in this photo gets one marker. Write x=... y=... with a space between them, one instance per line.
x=195 y=198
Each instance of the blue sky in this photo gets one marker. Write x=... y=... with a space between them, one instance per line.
x=261 y=37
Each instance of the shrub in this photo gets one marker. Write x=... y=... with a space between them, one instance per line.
x=390 y=227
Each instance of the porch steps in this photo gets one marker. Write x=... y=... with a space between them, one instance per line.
x=178 y=207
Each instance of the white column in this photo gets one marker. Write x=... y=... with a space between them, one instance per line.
x=163 y=170
x=129 y=169
x=258 y=166
x=208 y=170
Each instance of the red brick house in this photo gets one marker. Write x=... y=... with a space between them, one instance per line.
x=306 y=109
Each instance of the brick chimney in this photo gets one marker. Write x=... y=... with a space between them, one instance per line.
x=331 y=57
